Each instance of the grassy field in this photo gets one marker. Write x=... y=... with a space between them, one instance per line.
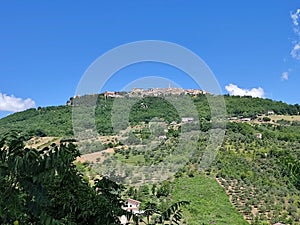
x=285 y=117
x=209 y=203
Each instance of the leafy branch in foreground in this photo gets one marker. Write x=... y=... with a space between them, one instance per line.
x=152 y=216
x=44 y=187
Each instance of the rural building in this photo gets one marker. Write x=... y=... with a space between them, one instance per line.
x=259 y=135
x=133 y=206
x=187 y=119
x=173 y=123
x=194 y=92
x=245 y=119
x=271 y=112
x=162 y=137
x=112 y=94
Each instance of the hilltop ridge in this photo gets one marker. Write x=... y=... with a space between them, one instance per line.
x=57 y=120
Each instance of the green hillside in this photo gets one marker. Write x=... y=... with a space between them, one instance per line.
x=47 y=121
x=209 y=202
x=257 y=165
x=57 y=120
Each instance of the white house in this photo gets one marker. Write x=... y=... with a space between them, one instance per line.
x=173 y=123
x=187 y=119
x=162 y=137
x=259 y=135
x=245 y=119
x=111 y=94
x=133 y=206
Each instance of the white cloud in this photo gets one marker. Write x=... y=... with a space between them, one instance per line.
x=14 y=104
x=295 y=17
x=254 y=92
x=295 y=53
x=285 y=76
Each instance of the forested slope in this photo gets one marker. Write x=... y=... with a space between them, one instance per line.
x=57 y=120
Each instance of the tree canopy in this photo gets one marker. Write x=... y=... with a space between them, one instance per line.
x=44 y=187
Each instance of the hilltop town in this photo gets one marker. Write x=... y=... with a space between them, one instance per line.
x=156 y=92
x=141 y=92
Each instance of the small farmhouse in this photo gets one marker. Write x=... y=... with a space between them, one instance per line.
x=187 y=119
x=245 y=119
x=259 y=135
x=132 y=205
x=271 y=112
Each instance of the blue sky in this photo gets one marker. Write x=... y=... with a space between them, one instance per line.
x=46 y=46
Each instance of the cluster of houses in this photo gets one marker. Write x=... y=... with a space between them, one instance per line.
x=140 y=92
x=155 y=92
x=165 y=91
x=248 y=119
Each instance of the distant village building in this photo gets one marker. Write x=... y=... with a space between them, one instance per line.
x=162 y=137
x=195 y=92
x=173 y=123
x=112 y=94
x=271 y=112
x=70 y=102
x=245 y=119
x=137 y=90
x=259 y=135
x=187 y=119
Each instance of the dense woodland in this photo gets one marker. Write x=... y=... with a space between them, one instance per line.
x=256 y=178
